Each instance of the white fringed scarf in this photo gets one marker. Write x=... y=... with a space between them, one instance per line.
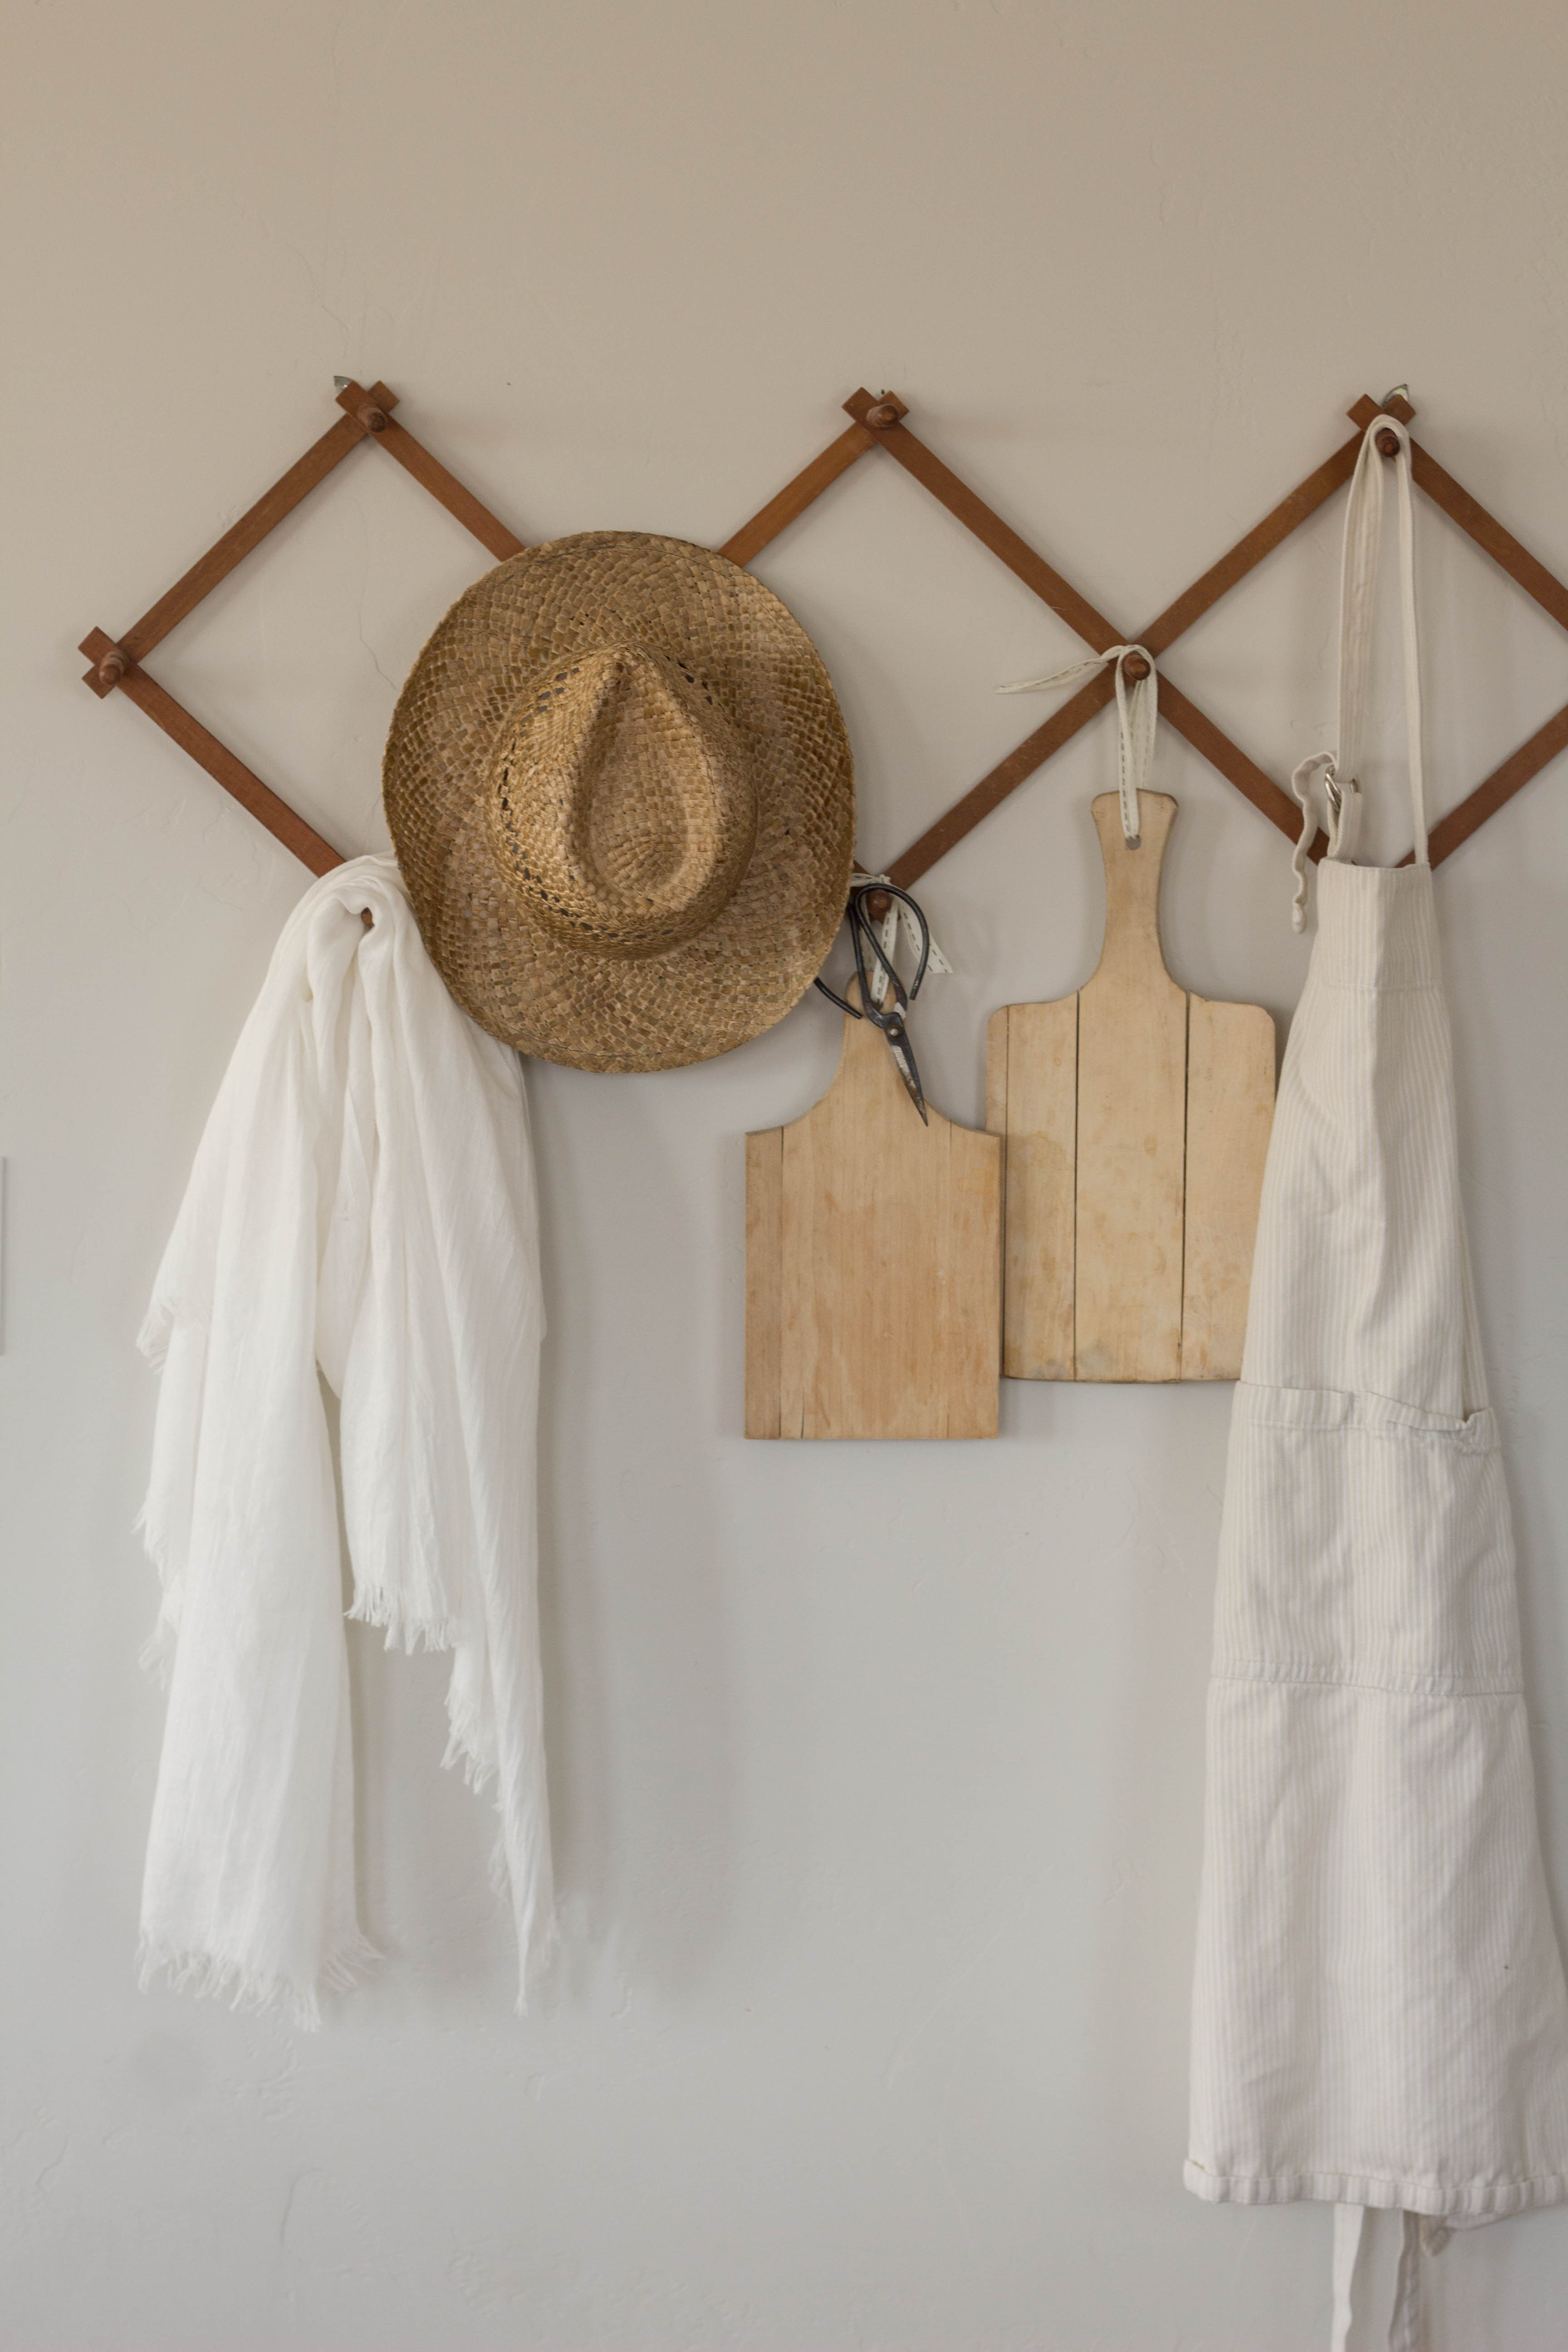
x=363 y=1200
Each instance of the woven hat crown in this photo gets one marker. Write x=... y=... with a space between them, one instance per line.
x=621 y=808
x=623 y=801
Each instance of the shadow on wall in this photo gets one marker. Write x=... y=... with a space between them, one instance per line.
x=1150 y=1796
x=1490 y=968
x=637 y=1699
x=639 y=1704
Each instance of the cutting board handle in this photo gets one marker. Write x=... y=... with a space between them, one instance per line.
x=1132 y=879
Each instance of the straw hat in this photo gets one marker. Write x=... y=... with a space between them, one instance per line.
x=622 y=799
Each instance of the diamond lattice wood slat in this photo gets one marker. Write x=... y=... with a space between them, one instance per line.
x=878 y=423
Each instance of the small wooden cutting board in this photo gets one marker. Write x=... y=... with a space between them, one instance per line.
x=873 y=1265
x=1135 y=1119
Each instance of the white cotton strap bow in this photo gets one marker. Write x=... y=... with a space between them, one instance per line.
x=898 y=918
x=1137 y=710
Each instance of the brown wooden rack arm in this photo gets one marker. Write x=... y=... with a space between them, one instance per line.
x=1005 y=778
x=1233 y=763
x=1473 y=519
x=160 y=706
x=1199 y=730
x=1047 y=740
x=252 y=528
x=796 y=496
x=368 y=417
x=232 y=773
x=1489 y=795
x=1234 y=566
x=988 y=526
x=371 y=411
x=1488 y=534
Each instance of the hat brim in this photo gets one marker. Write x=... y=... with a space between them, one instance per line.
x=551 y=997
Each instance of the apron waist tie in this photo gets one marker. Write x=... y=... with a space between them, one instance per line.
x=1420 y=2236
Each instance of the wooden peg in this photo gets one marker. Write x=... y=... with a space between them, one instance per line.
x=878 y=902
x=111 y=663
x=1135 y=669
x=885 y=412
x=1387 y=444
x=373 y=418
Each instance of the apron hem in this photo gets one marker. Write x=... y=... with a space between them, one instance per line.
x=1483 y=2201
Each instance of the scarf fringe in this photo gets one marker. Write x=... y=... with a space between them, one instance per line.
x=478 y=1771
x=210 y=1976
x=404 y=1630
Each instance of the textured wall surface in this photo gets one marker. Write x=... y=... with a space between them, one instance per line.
x=877 y=1770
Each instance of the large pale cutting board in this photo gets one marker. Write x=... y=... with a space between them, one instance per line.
x=873 y=1265
x=1135 y=1119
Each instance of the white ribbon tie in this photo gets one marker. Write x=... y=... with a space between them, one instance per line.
x=898 y=918
x=1137 y=710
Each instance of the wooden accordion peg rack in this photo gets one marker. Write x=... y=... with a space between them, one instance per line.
x=118 y=663
x=918 y=1352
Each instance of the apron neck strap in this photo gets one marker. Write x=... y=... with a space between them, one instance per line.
x=1358 y=589
x=1336 y=775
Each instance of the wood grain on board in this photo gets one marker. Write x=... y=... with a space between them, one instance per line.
x=1230 y=1110
x=1135 y=1121
x=1132 y=1110
x=1031 y=1099
x=873 y=1265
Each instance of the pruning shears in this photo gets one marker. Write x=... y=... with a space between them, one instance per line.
x=887 y=1016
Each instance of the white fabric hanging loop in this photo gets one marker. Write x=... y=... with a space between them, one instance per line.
x=898 y=918
x=1137 y=711
x=1338 y=772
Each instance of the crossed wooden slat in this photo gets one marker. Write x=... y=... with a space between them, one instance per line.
x=117 y=663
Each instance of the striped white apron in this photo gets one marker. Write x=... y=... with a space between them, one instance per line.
x=1380 y=2015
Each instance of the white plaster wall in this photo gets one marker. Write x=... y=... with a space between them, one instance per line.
x=877 y=1770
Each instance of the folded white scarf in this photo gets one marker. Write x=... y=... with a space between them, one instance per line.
x=363 y=1200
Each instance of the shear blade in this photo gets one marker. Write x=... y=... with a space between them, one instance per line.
x=905 y=1064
